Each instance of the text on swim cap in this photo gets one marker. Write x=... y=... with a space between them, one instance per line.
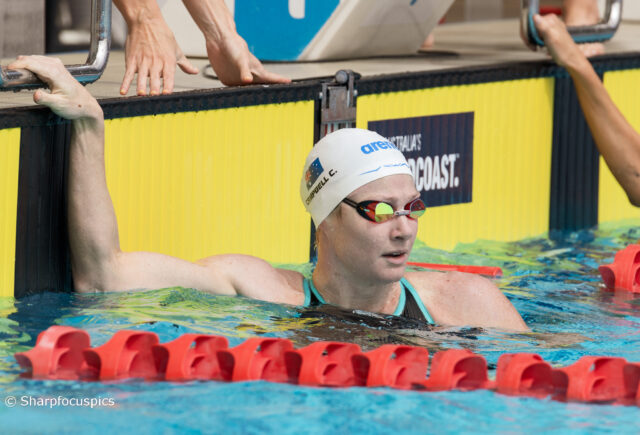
x=376 y=146
x=320 y=185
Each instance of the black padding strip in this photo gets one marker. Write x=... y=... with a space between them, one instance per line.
x=29 y=116
x=208 y=99
x=615 y=62
x=574 y=164
x=42 y=250
x=455 y=76
x=485 y=74
x=191 y=101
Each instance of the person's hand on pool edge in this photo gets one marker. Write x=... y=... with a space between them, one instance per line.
x=152 y=52
x=235 y=65
x=68 y=98
x=228 y=52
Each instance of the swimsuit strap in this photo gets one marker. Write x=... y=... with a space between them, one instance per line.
x=312 y=297
x=409 y=305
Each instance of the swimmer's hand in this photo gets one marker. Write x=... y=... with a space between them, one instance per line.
x=558 y=41
x=68 y=98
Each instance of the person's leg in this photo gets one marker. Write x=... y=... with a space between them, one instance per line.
x=428 y=43
x=580 y=12
x=575 y=13
x=583 y=13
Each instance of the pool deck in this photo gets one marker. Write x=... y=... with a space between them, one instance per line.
x=457 y=46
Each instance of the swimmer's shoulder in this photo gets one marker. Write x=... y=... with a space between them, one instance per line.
x=255 y=278
x=457 y=298
x=445 y=293
x=295 y=280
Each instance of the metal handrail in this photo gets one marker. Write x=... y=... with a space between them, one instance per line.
x=89 y=72
x=602 y=31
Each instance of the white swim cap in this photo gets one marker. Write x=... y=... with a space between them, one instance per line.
x=342 y=162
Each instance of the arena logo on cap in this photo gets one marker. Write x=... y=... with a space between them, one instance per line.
x=439 y=151
x=377 y=146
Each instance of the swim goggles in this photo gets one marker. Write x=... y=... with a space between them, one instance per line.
x=378 y=211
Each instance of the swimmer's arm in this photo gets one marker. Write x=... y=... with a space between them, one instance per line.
x=220 y=274
x=615 y=138
x=254 y=278
x=93 y=230
x=97 y=261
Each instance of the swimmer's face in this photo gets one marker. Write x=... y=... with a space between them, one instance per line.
x=374 y=251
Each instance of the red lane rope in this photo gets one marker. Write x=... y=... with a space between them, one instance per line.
x=479 y=270
x=63 y=352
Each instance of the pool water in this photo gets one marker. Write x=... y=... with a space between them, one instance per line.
x=554 y=284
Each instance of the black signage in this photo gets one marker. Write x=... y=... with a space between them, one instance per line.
x=439 y=150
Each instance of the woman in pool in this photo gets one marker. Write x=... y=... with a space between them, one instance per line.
x=359 y=191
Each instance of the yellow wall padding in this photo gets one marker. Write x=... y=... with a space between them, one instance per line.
x=196 y=184
x=613 y=203
x=9 y=168
x=511 y=156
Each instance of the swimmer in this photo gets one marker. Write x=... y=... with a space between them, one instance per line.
x=615 y=138
x=361 y=196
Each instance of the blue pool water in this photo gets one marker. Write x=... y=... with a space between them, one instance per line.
x=554 y=284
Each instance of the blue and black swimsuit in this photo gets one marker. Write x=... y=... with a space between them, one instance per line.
x=410 y=305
